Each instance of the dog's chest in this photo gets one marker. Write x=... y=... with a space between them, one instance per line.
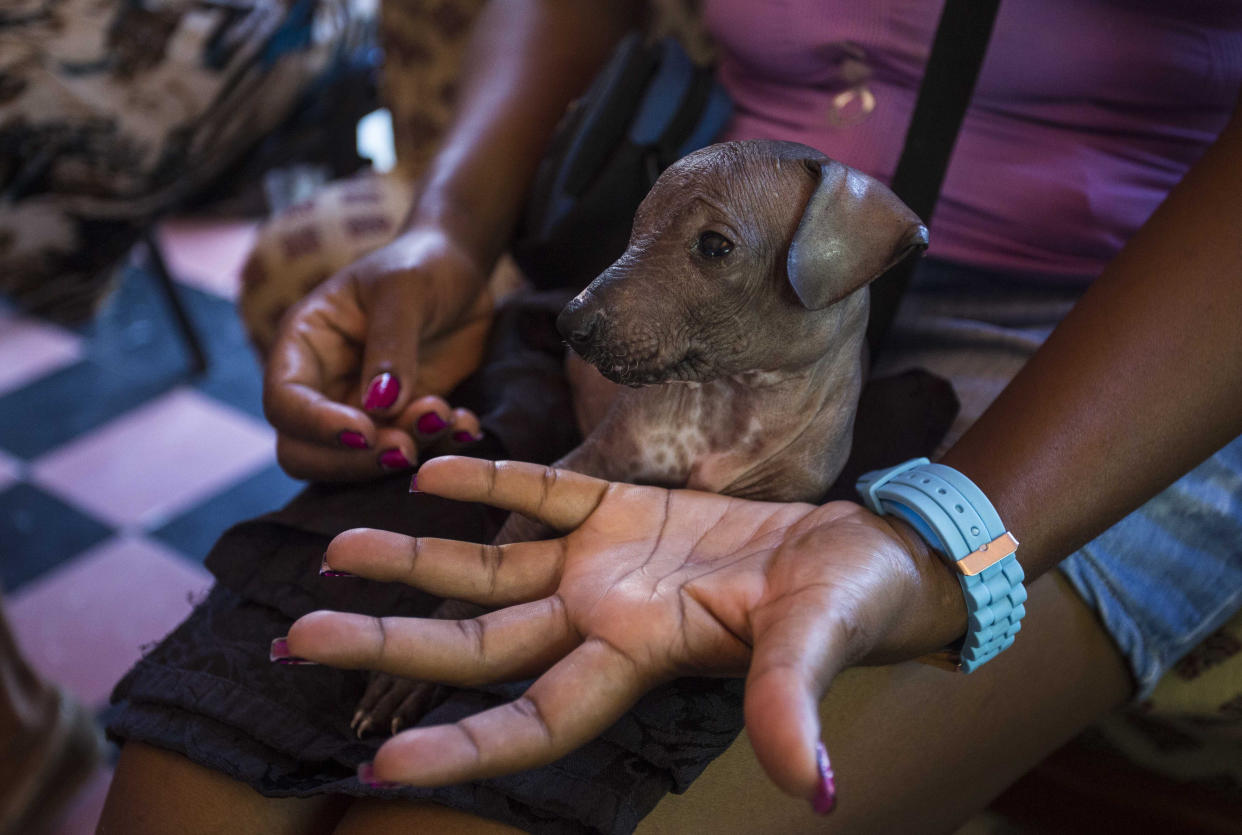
x=699 y=436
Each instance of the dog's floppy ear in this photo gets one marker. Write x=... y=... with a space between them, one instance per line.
x=852 y=229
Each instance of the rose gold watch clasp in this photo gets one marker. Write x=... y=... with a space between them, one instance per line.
x=987 y=555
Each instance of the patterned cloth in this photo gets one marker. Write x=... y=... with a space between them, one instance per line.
x=1190 y=728
x=112 y=112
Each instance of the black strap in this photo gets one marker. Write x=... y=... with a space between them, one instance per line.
x=952 y=69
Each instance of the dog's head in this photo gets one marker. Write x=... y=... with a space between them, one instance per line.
x=745 y=256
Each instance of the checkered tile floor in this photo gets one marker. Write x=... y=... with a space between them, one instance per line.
x=118 y=470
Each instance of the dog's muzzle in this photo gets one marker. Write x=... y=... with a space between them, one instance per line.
x=578 y=324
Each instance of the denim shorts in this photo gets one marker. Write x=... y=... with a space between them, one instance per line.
x=1163 y=577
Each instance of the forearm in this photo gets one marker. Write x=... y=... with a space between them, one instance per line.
x=1141 y=382
x=526 y=61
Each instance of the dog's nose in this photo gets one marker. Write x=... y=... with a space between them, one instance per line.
x=578 y=324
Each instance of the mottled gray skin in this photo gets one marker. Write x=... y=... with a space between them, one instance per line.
x=741 y=372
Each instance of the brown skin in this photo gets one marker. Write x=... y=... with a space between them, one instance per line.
x=793 y=594
x=1154 y=346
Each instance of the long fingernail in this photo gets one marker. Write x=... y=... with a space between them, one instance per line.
x=467 y=437
x=326 y=570
x=430 y=423
x=366 y=776
x=826 y=792
x=279 y=654
x=382 y=392
x=414 y=484
x=353 y=440
x=393 y=459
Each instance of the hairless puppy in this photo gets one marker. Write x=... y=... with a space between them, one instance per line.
x=735 y=321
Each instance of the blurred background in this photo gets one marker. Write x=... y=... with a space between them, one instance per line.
x=141 y=146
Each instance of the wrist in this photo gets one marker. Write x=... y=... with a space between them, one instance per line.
x=960 y=524
x=479 y=221
x=937 y=607
x=449 y=268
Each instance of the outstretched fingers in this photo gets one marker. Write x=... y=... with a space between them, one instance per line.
x=490 y=575
x=571 y=704
x=505 y=645
x=561 y=499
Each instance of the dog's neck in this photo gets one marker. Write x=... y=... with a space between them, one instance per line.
x=779 y=435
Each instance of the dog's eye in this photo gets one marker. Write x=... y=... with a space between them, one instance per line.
x=714 y=245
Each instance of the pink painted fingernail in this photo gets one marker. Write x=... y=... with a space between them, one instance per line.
x=326 y=570
x=366 y=776
x=393 y=459
x=414 y=484
x=467 y=437
x=279 y=654
x=352 y=439
x=826 y=792
x=382 y=392
x=430 y=423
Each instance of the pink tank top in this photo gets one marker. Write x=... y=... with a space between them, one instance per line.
x=1086 y=113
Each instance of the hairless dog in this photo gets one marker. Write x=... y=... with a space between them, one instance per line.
x=735 y=322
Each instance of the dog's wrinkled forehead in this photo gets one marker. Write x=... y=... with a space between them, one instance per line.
x=740 y=179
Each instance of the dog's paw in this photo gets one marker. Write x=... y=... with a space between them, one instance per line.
x=394 y=702
x=519 y=528
x=391 y=703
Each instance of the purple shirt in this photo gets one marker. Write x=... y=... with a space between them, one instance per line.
x=1086 y=113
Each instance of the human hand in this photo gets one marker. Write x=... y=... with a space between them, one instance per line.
x=649 y=585
x=355 y=382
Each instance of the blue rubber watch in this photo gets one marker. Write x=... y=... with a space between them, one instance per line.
x=959 y=522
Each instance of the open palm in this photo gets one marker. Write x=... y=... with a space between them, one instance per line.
x=648 y=585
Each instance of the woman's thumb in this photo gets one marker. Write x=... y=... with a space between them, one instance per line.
x=390 y=361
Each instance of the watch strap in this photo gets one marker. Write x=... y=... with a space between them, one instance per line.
x=954 y=516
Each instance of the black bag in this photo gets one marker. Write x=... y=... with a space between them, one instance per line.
x=648 y=107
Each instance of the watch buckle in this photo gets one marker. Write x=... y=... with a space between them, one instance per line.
x=946 y=659
x=987 y=555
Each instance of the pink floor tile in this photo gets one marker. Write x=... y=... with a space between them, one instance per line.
x=207 y=254
x=83 y=813
x=30 y=349
x=84 y=624
x=147 y=465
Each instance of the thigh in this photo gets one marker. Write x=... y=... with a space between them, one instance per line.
x=917 y=749
x=157 y=791
x=400 y=817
